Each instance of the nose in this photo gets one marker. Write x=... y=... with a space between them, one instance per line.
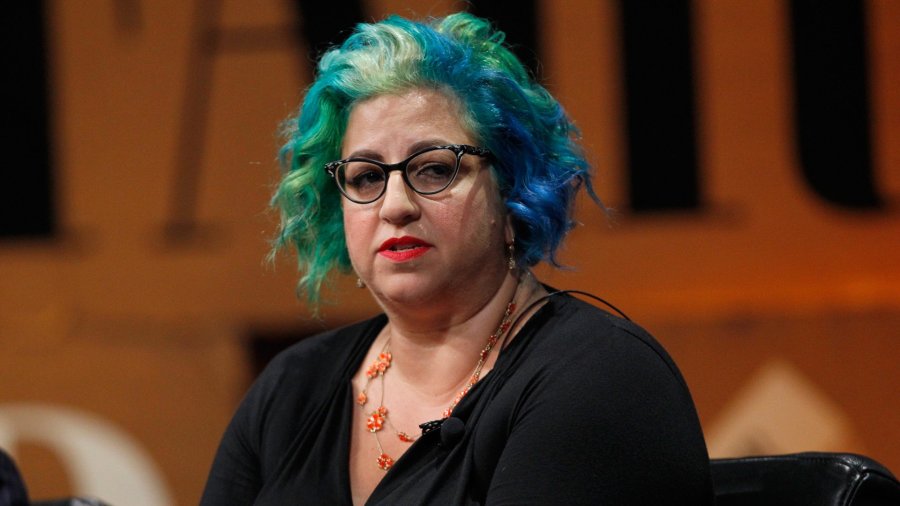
x=399 y=204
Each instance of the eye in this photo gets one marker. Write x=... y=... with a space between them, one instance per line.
x=432 y=171
x=362 y=176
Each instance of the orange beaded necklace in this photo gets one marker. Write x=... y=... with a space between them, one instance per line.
x=378 y=418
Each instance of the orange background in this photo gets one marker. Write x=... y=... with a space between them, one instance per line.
x=117 y=318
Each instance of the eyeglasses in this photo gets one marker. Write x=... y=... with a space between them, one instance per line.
x=427 y=172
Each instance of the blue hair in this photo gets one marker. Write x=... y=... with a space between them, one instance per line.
x=537 y=161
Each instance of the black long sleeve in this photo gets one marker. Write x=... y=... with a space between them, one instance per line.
x=581 y=408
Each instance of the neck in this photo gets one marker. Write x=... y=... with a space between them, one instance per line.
x=438 y=359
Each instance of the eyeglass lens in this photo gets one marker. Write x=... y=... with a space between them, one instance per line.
x=427 y=173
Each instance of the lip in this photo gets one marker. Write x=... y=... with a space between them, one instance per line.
x=412 y=247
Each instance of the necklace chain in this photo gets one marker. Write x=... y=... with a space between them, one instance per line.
x=378 y=418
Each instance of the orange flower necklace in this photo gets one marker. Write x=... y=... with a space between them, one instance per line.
x=378 y=418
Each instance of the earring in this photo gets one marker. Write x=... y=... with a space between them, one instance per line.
x=360 y=283
x=511 y=262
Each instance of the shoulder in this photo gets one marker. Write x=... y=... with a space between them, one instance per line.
x=570 y=328
x=321 y=358
x=298 y=381
x=301 y=378
x=564 y=312
x=599 y=393
x=584 y=367
x=303 y=375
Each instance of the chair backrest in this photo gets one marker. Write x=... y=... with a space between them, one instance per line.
x=70 y=501
x=13 y=492
x=827 y=479
x=12 y=488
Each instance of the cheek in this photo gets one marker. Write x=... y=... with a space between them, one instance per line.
x=480 y=223
x=354 y=231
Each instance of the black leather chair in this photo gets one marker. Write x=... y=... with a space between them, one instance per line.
x=12 y=490
x=827 y=479
x=71 y=501
x=14 y=493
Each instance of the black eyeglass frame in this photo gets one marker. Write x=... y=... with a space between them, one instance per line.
x=460 y=150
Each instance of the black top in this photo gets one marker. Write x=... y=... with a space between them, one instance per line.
x=581 y=408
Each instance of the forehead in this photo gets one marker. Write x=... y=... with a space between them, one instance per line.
x=388 y=124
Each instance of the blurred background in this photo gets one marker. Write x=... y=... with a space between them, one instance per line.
x=751 y=151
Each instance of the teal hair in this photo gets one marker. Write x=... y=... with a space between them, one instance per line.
x=538 y=164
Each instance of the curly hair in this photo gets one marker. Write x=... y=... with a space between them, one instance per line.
x=538 y=163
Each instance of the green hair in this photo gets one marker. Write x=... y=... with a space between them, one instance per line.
x=538 y=164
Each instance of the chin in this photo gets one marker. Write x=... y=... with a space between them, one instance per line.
x=408 y=289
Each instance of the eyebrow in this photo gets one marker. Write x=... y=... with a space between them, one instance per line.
x=413 y=148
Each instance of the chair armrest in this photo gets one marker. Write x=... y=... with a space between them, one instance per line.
x=831 y=479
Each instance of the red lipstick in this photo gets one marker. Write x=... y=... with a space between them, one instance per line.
x=401 y=249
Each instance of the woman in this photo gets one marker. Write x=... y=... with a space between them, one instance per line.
x=426 y=160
